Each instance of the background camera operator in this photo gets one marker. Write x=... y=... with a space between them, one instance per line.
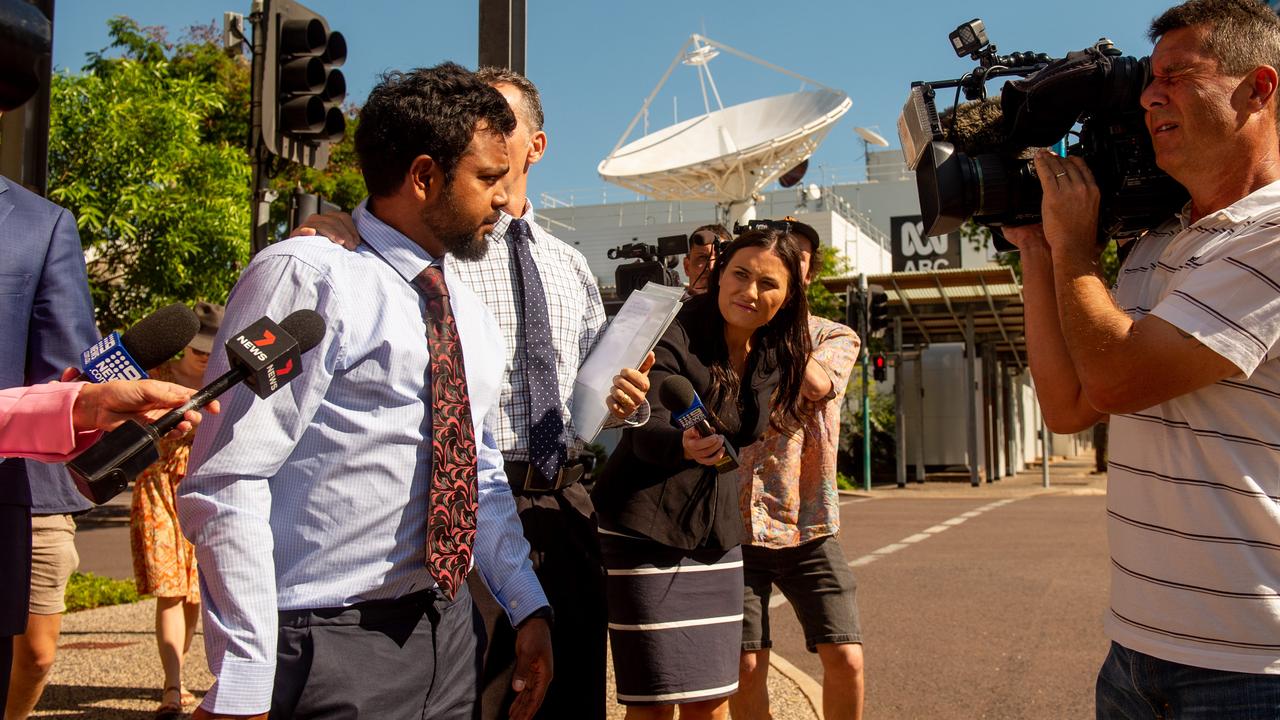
x=1183 y=358
x=701 y=258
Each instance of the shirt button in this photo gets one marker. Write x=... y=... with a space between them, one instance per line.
x=515 y=604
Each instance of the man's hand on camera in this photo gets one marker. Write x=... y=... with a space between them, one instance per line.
x=1026 y=237
x=338 y=227
x=1070 y=206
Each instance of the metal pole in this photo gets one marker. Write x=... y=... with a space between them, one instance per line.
x=1010 y=422
x=866 y=380
x=260 y=209
x=502 y=34
x=899 y=413
x=989 y=410
x=971 y=389
x=919 y=439
x=1044 y=451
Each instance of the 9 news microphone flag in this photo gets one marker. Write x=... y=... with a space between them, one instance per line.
x=687 y=411
x=154 y=339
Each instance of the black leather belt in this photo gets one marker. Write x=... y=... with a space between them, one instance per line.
x=526 y=478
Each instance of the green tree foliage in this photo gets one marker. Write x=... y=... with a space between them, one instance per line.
x=163 y=212
x=823 y=302
x=149 y=149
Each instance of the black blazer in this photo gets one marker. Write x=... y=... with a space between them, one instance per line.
x=648 y=487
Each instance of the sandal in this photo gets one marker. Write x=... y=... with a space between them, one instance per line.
x=168 y=709
x=188 y=699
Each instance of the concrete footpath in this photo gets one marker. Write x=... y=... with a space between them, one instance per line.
x=108 y=668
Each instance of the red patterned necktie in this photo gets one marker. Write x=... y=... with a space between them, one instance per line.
x=451 y=523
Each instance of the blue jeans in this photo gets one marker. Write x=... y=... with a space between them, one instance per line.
x=1133 y=686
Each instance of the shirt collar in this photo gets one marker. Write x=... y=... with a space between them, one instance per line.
x=1264 y=198
x=499 y=231
x=402 y=254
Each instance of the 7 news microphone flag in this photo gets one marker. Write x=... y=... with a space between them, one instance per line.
x=265 y=356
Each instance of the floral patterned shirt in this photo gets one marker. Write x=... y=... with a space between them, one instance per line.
x=791 y=497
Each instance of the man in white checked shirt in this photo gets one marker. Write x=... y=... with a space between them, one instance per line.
x=1184 y=359
x=554 y=508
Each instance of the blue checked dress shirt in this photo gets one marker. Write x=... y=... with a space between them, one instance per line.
x=318 y=495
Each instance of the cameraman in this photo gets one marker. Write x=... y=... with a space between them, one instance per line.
x=701 y=257
x=1184 y=360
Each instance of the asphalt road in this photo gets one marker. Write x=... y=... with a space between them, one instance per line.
x=998 y=615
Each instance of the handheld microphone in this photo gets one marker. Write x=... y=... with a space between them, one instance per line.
x=266 y=356
x=687 y=411
x=154 y=339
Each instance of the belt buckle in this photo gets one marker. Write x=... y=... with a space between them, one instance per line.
x=533 y=480
x=566 y=476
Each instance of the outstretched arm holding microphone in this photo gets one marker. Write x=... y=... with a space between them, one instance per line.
x=53 y=422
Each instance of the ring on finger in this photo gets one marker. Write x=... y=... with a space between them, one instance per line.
x=1058 y=175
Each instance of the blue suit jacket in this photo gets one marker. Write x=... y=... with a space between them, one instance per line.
x=46 y=320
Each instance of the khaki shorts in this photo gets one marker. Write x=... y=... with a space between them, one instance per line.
x=53 y=559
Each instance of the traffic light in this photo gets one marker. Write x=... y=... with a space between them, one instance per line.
x=879 y=367
x=302 y=89
x=879 y=310
x=853 y=312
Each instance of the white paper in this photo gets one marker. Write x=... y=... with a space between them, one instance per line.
x=629 y=337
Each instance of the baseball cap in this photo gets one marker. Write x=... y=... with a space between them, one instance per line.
x=210 y=316
x=804 y=230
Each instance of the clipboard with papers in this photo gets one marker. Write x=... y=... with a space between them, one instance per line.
x=632 y=333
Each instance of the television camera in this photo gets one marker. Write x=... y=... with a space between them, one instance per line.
x=974 y=161
x=653 y=263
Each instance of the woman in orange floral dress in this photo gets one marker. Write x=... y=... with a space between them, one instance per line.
x=164 y=562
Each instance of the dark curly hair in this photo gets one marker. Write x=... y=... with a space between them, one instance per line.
x=783 y=341
x=428 y=111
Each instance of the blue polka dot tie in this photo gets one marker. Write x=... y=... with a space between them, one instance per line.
x=546 y=424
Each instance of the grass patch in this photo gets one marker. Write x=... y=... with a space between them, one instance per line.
x=86 y=591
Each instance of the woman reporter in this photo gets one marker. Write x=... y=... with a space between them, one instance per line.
x=669 y=521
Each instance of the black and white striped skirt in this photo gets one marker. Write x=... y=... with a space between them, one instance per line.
x=675 y=620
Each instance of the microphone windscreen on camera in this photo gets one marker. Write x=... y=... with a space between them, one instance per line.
x=306 y=326
x=979 y=126
x=161 y=335
x=676 y=394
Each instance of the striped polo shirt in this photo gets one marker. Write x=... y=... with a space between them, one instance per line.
x=1193 y=498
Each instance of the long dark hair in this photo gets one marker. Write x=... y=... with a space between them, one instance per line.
x=782 y=344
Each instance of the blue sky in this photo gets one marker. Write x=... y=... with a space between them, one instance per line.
x=595 y=62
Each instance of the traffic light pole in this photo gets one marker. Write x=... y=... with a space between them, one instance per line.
x=260 y=209
x=865 y=322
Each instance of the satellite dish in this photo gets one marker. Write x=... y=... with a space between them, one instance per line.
x=792 y=177
x=813 y=191
x=727 y=155
x=871 y=137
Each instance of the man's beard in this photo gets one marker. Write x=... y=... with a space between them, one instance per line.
x=459 y=239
